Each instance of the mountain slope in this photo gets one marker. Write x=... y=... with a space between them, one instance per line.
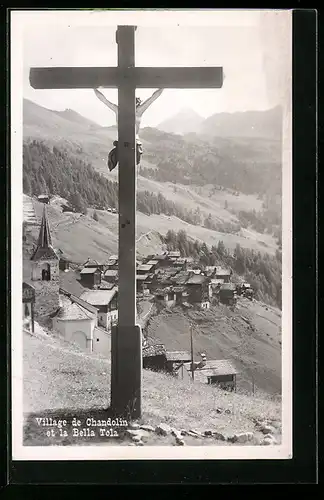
x=250 y=335
x=258 y=124
x=189 y=172
x=73 y=116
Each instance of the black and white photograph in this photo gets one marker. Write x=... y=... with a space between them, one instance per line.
x=151 y=205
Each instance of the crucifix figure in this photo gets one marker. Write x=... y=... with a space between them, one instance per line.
x=126 y=354
x=141 y=107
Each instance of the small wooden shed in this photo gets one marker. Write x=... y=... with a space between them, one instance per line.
x=221 y=372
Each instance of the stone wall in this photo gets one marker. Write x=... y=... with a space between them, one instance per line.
x=47 y=298
x=39 y=265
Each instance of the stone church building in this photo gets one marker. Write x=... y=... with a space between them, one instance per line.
x=45 y=274
x=73 y=319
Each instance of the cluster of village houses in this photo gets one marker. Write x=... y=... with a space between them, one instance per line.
x=87 y=319
x=170 y=278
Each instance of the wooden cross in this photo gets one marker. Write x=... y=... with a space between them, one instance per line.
x=126 y=357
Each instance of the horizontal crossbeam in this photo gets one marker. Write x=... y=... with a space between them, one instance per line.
x=90 y=78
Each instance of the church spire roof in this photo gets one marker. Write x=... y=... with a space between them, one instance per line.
x=44 y=249
x=44 y=238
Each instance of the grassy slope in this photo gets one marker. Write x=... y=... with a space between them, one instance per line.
x=249 y=335
x=95 y=144
x=80 y=237
x=63 y=382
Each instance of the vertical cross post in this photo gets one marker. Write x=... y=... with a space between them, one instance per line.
x=126 y=336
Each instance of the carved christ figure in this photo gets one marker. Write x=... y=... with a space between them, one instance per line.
x=141 y=107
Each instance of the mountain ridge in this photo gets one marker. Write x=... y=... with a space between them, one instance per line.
x=249 y=123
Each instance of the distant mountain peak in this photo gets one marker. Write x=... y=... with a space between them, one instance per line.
x=184 y=122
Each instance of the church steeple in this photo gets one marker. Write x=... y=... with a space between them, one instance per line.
x=44 y=248
x=44 y=238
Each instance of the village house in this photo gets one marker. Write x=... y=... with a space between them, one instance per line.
x=166 y=296
x=44 y=198
x=198 y=288
x=218 y=372
x=64 y=264
x=112 y=263
x=224 y=274
x=161 y=280
x=194 y=270
x=180 y=263
x=141 y=282
x=163 y=260
x=94 y=264
x=144 y=269
x=175 y=360
x=174 y=254
x=181 y=294
x=90 y=277
x=227 y=294
x=154 y=357
x=157 y=358
x=111 y=275
x=77 y=322
x=106 y=301
x=154 y=265
x=215 y=285
x=211 y=270
x=28 y=299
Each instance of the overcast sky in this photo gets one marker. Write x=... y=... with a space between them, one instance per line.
x=250 y=53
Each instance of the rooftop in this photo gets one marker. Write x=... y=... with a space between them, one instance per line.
x=178 y=356
x=90 y=263
x=99 y=297
x=228 y=286
x=111 y=272
x=152 y=262
x=223 y=272
x=141 y=277
x=144 y=267
x=160 y=257
x=89 y=270
x=178 y=289
x=73 y=298
x=217 y=367
x=44 y=249
x=154 y=350
x=181 y=278
x=175 y=253
x=217 y=281
x=72 y=309
x=196 y=279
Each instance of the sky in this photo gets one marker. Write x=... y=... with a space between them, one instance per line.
x=250 y=47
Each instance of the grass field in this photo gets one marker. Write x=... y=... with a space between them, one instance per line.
x=63 y=382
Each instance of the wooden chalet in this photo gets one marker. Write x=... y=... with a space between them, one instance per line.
x=175 y=360
x=220 y=372
x=224 y=274
x=198 y=289
x=111 y=275
x=90 y=277
x=227 y=294
x=154 y=357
